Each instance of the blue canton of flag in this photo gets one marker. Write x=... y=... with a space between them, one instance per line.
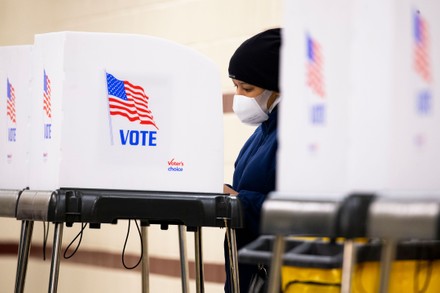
x=116 y=87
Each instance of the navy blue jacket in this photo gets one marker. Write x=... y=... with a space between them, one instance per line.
x=254 y=175
x=254 y=178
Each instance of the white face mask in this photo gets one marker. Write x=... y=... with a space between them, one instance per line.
x=252 y=111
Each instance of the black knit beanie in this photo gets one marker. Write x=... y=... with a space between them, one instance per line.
x=257 y=60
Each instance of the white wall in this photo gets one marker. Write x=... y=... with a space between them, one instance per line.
x=213 y=27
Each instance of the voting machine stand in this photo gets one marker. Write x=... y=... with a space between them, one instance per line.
x=8 y=209
x=319 y=218
x=356 y=216
x=100 y=206
x=395 y=219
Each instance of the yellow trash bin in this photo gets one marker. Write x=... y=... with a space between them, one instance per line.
x=316 y=267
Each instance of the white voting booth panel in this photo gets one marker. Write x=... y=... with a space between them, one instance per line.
x=361 y=108
x=124 y=112
x=15 y=82
x=306 y=127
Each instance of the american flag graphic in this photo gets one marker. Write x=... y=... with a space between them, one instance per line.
x=421 y=47
x=46 y=96
x=128 y=100
x=314 y=67
x=10 y=103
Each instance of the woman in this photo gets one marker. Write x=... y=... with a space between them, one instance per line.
x=254 y=71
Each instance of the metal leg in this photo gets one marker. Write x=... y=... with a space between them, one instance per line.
x=183 y=259
x=55 y=264
x=145 y=261
x=23 y=254
x=233 y=260
x=199 y=261
x=348 y=265
x=275 y=265
x=387 y=257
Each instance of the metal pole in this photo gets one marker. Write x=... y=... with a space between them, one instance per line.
x=348 y=263
x=23 y=254
x=145 y=261
x=183 y=259
x=386 y=260
x=275 y=265
x=199 y=261
x=233 y=259
x=55 y=264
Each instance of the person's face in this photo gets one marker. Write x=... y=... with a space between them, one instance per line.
x=246 y=89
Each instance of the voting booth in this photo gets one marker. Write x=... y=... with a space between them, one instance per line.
x=124 y=112
x=117 y=126
x=359 y=122
x=15 y=80
x=360 y=110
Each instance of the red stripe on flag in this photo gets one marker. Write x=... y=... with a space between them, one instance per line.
x=126 y=106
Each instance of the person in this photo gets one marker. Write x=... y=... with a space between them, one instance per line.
x=254 y=70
